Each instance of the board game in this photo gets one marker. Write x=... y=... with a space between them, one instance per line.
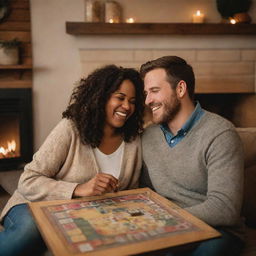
x=122 y=223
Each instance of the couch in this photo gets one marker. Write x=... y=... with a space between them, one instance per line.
x=9 y=180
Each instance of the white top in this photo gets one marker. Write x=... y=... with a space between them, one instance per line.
x=111 y=163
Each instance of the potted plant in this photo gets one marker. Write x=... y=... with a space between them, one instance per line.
x=9 y=52
x=235 y=9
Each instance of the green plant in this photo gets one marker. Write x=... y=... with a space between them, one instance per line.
x=227 y=8
x=10 y=43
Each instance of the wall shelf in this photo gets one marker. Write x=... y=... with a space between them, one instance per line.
x=16 y=84
x=16 y=67
x=85 y=28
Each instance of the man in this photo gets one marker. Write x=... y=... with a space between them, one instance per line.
x=191 y=156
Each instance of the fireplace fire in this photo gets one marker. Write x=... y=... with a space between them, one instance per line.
x=9 y=137
x=10 y=151
x=15 y=128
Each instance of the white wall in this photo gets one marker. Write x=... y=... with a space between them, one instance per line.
x=56 y=54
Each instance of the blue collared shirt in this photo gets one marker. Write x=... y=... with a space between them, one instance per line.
x=173 y=140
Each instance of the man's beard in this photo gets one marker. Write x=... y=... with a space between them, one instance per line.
x=170 y=110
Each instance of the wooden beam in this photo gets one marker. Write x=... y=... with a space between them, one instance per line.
x=84 y=28
x=15 y=26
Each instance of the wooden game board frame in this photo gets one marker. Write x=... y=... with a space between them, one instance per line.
x=57 y=244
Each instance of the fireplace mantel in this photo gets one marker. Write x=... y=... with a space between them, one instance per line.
x=85 y=28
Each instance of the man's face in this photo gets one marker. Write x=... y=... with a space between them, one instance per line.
x=160 y=97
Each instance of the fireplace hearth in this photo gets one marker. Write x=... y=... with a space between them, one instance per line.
x=16 y=133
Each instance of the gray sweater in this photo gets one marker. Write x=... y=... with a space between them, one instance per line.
x=203 y=173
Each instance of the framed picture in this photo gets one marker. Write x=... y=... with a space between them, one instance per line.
x=121 y=223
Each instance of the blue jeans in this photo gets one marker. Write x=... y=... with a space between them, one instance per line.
x=20 y=235
x=226 y=245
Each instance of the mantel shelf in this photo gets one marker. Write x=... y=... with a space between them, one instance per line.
x=85 y=28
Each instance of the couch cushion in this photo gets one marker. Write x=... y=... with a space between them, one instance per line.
x=248 y=136
x=249 y=204
x=9 y=180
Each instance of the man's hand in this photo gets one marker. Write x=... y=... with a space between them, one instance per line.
x=100 y=184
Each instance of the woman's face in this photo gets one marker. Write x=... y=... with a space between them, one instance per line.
x=120 y=105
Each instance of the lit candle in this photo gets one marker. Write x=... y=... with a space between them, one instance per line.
x=198 y=17
x=232 y=21
x=130 y=20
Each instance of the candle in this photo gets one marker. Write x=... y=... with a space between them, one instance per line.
x=130 y=20
x=232 y=21
x=198 y=17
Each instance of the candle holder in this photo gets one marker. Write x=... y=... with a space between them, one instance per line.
x=198 y=17
x=130 y=20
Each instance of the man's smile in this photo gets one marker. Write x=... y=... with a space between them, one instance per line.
x=155 y=107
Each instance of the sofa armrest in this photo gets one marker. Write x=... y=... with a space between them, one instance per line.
x=248 y=137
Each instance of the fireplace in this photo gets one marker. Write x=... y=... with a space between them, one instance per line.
x=16 y=133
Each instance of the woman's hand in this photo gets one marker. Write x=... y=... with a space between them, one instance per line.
x=98 y=185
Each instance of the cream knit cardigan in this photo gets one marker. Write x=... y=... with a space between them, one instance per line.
x=63 y=162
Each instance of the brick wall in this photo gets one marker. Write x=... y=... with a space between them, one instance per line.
x=217 y=71
x=225 y=78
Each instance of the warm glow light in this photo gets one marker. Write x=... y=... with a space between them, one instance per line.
x=198 y=17
x=3 y=151
x=232 y=21
x=130 y=20
x=111 y=21
x=11 y=147
x=198 y=13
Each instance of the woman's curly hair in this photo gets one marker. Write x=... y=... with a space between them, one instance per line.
x=87 y=104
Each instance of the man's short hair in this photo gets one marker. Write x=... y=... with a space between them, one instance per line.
x=176 y=70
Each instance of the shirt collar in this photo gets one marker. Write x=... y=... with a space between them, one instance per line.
x=194 y=117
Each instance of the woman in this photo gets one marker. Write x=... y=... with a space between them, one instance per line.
x=93 y=150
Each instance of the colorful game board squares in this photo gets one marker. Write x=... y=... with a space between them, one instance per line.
x=61 y=215
x=74 y=206
x=65 y=221
x=120 y=239
x=69 y=226
x=75 y=231
x=78 y=238
x=96 y=242
x=86 y=247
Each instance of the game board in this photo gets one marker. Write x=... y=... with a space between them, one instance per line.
x=120 y=223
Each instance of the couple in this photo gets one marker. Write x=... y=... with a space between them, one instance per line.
x=190 y=156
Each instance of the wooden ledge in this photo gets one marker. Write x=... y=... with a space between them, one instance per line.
x=84 y=28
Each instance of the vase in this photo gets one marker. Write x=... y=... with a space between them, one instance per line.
x=113 y=12
x=92 y=11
